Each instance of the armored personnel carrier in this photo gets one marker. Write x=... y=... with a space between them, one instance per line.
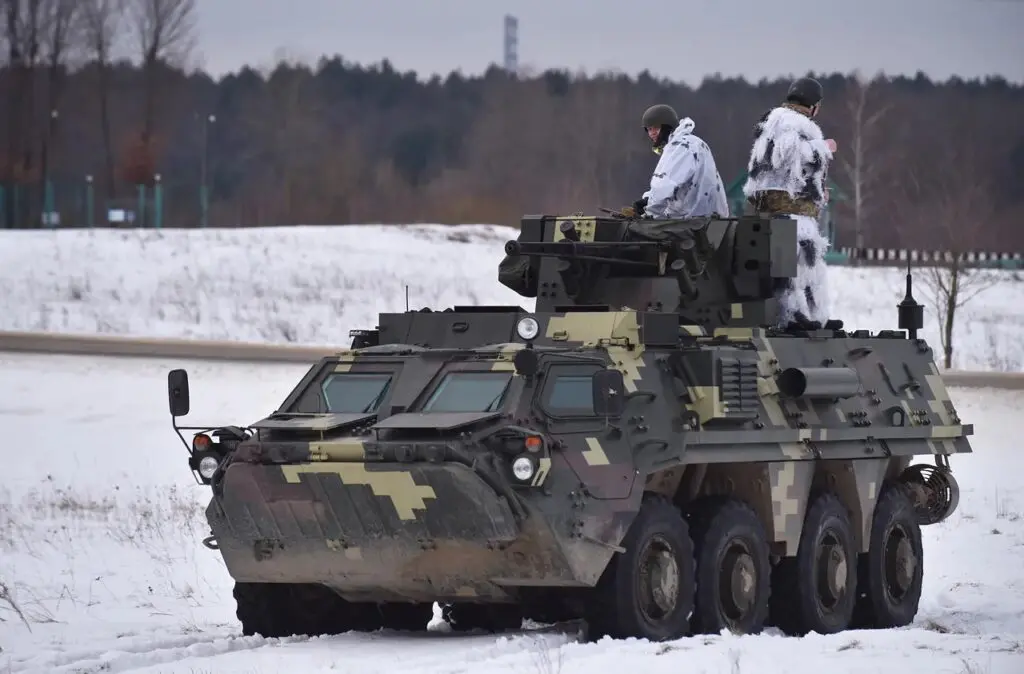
x=646 y=450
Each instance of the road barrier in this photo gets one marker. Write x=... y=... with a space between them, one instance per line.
x=195 y=349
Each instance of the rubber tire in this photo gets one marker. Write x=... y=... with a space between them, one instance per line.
x=614 y=609
x=794 y=606
x=875 y=607
x=715 y=522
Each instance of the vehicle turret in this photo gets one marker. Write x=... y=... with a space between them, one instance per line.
x=713 y=271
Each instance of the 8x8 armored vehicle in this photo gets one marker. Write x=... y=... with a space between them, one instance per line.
x=646 y=451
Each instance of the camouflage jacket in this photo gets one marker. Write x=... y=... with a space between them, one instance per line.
x=788 y=166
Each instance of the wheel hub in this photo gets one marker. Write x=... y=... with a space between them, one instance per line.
x=832 y=572
x=660 y=580
x=905 y=565
x=900 y=563
x=837 y=571
x=740 y=573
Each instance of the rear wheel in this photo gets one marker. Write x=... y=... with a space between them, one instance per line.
x=647 y=591
x=733 y=568
x=891 y=572
x=815 y=591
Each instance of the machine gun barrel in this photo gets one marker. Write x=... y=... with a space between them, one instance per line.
x=619 y=252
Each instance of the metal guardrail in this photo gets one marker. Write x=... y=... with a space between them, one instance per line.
x=194 y=349
x=898 y=257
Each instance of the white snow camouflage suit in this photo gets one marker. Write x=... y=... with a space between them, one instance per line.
x=787 y=173
x=686 y=183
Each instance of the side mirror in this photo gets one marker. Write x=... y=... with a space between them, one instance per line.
x=177 y=392
x=609 y=391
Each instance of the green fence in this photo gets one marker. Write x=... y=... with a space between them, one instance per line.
x=79 y=204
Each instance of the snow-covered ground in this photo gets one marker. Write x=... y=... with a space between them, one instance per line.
x=100 y=529
x=311 y=285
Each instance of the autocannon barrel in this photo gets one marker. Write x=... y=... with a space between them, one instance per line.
x=610 y=251
x=819 y=382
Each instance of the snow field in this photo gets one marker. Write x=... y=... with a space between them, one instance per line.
x=101 y=529
x=311 y=285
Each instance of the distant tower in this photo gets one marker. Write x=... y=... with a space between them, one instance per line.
x=511 y=44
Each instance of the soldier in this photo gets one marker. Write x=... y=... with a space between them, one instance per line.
x=685 y=183
x=786 y=176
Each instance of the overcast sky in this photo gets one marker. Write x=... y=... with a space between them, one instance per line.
x=680 y=39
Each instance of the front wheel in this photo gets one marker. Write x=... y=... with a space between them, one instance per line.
x=647 y=591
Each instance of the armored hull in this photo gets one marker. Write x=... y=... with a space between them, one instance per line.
x=657 y=472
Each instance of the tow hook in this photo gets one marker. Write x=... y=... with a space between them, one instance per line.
x=211 y=543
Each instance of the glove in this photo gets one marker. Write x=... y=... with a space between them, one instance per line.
x=628 y=212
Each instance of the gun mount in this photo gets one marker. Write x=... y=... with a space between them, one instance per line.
x=713 y=271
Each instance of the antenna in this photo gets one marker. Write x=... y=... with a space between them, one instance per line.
x=911 y=314
x=407 y=297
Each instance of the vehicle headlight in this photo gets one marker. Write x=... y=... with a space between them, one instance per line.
x=523 y=468
x=208 y=466
x=527 y=328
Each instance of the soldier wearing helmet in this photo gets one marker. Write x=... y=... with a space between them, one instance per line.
x=786 y=176
x=686 y=182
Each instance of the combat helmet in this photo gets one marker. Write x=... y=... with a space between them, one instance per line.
x=660 y=116
x=805 y=91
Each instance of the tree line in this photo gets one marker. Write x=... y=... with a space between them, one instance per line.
x=921 y=164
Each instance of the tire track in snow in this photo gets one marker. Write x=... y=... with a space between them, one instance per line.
x=143 y=653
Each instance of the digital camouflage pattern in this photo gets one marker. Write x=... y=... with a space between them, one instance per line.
x=690 y=426
x=779 y=202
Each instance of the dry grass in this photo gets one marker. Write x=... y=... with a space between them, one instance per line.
x=546 y=657
x=1005 y=509
x=61 y=548
x=971 y=667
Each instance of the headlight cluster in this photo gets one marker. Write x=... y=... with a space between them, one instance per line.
x=205 y=457
x=525 y=465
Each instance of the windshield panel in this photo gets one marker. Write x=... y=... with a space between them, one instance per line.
x=572 y=393
x=469 y=392
x=348 y=392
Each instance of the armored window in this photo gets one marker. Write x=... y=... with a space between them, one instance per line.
x=352 y=392
x=469 y=392
x=572 y=394
x=568 y=391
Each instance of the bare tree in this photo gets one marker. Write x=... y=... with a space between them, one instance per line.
x=165 y=32
x=4 y=41
x=23 y=27
x=957 y=208
x=862 y=162
x=60 y=20
x=593 y=172
x=513 y=155
x=289 y=139
x=101 y=22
